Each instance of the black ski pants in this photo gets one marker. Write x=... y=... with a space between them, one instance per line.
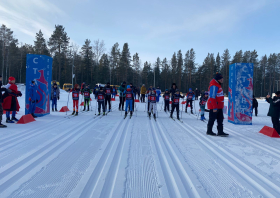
x=166 y=105
x=108 y=100
x=187 y=104
x=142 y=97
x=122 y=99
x=216 y=116
x=177 y=109
x=276 y=125
x=99 y=106
x=256 y=111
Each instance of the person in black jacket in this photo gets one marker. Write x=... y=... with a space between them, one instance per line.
x=1 y=101
x=175 y=103
x=108 y=91
x=166 y=98
x=274 y=110
x=255 y=105
x=173 y=89
x=197 y=93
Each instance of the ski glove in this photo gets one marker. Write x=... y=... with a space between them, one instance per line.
x=19 y=93
x=58 y=98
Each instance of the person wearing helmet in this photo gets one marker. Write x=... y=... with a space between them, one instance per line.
x=202 y=103
x=190 y=97
x=175 y=103
x=166 y=98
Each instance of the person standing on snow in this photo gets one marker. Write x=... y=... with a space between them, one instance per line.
x=216 y=104
x=55 y=96
x=108 y=91
x=274 y=110
x=166 y=97
x=100 y=100
x=134 y=93
x=32 y=98
x=1 y=101
x=114 y=92
x=86 y=92
x=122 y=89
x=143 y=92
x=202 y=103
x=129 y=100
x=158 y=93
x=153 y=102
x=190 y=97
x=197 y=93
x=75 y=96
x=255 y=105
x=175 y=103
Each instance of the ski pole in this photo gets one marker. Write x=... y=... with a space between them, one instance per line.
x=95 y=107
x=194 y=108
x=67 y=102
x=182 y=109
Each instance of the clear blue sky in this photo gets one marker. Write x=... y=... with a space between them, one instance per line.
x=154 y=28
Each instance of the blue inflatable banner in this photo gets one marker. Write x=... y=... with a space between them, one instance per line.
x=38 y=69
x=240 y=93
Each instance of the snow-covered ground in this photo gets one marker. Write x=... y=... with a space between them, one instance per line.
x=115 y=157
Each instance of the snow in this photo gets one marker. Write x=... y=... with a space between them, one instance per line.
x=110 y=156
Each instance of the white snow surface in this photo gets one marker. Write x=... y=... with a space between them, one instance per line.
x=110 y=156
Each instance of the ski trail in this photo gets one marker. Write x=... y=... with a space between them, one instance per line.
x=260 y=182
x=141 y=176
x=16 y=172
x=172 y=187
x=90 y=186
x=110 y=180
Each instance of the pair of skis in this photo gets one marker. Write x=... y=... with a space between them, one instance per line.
x=176 y=119
x=126 y=116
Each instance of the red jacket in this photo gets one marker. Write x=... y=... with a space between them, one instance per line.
x=10 y=102
x=216 y=96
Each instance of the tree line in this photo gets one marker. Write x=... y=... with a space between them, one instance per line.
x=91 y=63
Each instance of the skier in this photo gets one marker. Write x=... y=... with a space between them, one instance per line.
x=129 y=100
x=75 y=95
x=190 y=97
x=55 y=96
x=175 y=103
x=96 y=90
x=1 y=101
x=153 y=102
x=134 y=93
x=202 y=103
x=216 y=105
x=143 y=92
x=158 y=93
x=86 y=92
x=100 y=100
x=32 y=98
x=148 y=95
x=166 y=97
x=108 y=91
x=255 y=105
x=122 y=89
x=10 y=102
x=114 y=92
x=173 y=89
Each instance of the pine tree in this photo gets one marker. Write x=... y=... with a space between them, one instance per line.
x=165 y=73
x=114 y=64
x=125 y=62
x=174 y=68
x=136 y=68
x=40 y=45
x=87 y=56
x=58 y=43
x=157 y=72
x=225 y=69
x=218 y=63
x=179 y=68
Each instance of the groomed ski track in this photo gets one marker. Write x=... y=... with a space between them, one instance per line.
x=138 y=157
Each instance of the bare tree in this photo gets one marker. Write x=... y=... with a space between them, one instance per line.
x=98 y=49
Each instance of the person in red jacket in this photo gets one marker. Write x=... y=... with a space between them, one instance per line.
x=10 y=102
x=75 y=95
x=216 y=105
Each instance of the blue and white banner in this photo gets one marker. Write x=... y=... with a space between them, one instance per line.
x=39 y=69
x=240 y=93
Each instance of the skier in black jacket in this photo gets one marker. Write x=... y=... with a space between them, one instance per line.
x=255 y=105
x=175 y=103
x=166 y=98
x=108 y=92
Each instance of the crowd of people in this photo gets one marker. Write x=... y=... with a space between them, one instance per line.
x=214 y=99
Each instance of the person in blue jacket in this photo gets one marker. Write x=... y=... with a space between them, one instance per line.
x=55 y=96
x=32 y=98
x=129 y=99
x=190 y=97
x=158 y=93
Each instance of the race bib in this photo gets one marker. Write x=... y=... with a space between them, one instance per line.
x=100 y=97
x=166 y=97
x=86 y=94
x=75 y=95
x=128 y=95
x=108 y=91
x=176 y=100
x=153 y=98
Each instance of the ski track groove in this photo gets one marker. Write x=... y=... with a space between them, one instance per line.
x=98 y=170
x=141 y=179
x=237 y=165
x=168 y=175
x=4 y=185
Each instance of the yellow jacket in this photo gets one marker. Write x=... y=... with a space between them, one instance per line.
x=143 y=90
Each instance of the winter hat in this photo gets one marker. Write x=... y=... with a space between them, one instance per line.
x=190 y=89
x=11 y=79
x=177 y=90
x=173 y=84
x=154 y=88
x=166 y=90
x=76 y=86
x=0 y=76
x=108 y=83
x=277 y=93
x=206 y=93
x=128 y=86
x=101 y=88
x=124 y=82
x=218 y=76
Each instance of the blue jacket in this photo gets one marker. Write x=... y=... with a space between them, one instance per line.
x=32 y=92
x=158 y=94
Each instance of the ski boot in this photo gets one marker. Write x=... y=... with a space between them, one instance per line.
x=191 y=111
x=33 y=115
x=55 y=109
x=103 y=113
x=76 y=113
x=202 y=118
x=73 y=112
x=155 y=116
x=9 y=121
x=99 y=113
x=52 y=110
x=14 y=119
x=178 y=118
x=171 y=115
x=2 y=125
x=84 y=108
x=186 y=111
x=88 y=108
